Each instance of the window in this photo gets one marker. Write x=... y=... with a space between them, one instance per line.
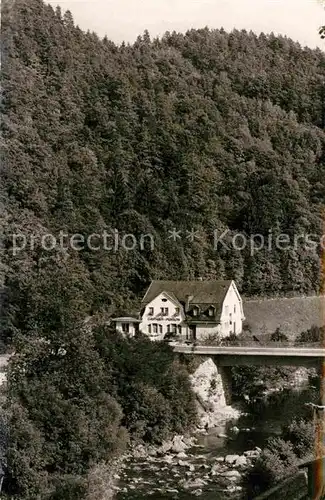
x=163 y=300
x=235 y=308
x=149 y=328
x=211 y=311
x=151 y=311
x=179 y=329
x=195 y=311
x=173 y=329
x=164 y=311
x=155 y=328
x=125 y=327
x=192 y=332
x=160 y=328
x=177 y=311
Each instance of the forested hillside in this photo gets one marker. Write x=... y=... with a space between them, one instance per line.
x=207 y=130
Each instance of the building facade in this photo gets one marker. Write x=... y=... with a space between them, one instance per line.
x=127 y=325
x=188 y=309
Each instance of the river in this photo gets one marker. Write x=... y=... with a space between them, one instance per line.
x=156 y=479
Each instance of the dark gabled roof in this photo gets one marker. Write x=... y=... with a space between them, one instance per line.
x=202 y=292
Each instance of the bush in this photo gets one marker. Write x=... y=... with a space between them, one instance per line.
x=301 y=434
x=278 y=336
x=212 y=339
x=276 y=462
x=315 y=334
x=231 y=340
x=150 y=384
x=101 y=481
x=69 y=487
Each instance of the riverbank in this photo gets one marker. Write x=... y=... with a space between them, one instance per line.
x=213 y=462
x=183 y=468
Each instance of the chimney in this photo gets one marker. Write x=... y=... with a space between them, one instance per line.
x=188 y=299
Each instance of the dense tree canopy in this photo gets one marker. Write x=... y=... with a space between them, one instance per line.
x=206 y=131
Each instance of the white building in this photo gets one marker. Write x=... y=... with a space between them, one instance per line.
x=193 y=309
x=127 y=325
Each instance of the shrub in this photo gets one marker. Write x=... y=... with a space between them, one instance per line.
x=69 y=487
x=212 y=339
x=315 y=334
x=276 y=462
x=278 y=336
x=231 y=340
x=301 y=434
x=147 y=405
x=101 y=481
x=150 y=383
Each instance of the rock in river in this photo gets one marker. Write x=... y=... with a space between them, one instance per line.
x=178 y=445
x=232 y=474
x=241 y=461
x=192 y=484
x=231 y=459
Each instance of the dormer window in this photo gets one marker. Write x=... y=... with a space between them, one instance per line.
x=195 y=311
x=211 y=311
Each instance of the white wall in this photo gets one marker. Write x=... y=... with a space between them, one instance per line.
x=204 y=332
x=120 y=329
x=232 y=313
x=162 y=321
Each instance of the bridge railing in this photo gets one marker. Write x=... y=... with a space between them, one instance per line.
x=270 y=343
x=246 y=343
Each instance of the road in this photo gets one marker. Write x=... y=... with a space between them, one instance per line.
x=249 y=356
x=251 y=351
